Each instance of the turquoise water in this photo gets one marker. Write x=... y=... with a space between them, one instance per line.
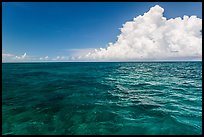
x=102 y=98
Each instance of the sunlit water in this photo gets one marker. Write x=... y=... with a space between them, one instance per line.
x=102 y=98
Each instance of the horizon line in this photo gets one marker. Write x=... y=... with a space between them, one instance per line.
x=107 y=61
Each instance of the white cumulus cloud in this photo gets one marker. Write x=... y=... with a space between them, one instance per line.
x=60 y=58
x=21 y=57
x=8 y=57
x=44 y=58
x=153 y=37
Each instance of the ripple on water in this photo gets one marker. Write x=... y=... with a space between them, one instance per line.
x=102 y=98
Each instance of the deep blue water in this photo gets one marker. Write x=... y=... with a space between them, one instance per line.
x=102 y=98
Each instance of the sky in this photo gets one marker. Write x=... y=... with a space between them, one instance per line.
x=88 y=31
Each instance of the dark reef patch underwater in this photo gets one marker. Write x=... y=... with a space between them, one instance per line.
x=102 y=98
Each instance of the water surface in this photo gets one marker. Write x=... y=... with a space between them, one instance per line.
x=102 y=98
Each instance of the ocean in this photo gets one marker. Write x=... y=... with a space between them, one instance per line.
x=98 y=98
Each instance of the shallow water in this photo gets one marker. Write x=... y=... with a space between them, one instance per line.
x=102 y=98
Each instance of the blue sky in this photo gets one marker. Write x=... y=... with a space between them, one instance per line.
x=58 y=29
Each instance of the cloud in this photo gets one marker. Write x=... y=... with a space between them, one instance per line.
x=79 y=52
x=153 y=37
x=24 y=55
x=60 y=58
x=57 y=58
x=8 y=57
x=21 y=57
x=4 y=55
x=44 y=58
